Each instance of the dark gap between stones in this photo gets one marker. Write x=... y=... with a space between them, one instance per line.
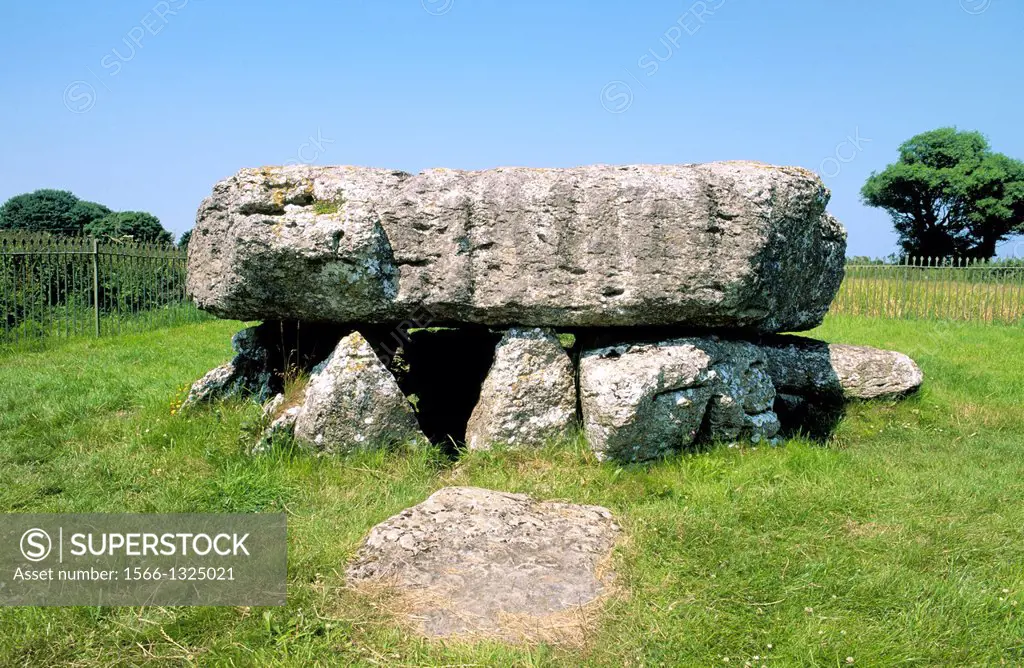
x=704 y=431
x=279 y=348
x=814 y=419
x=303 y=345
x=441 y=370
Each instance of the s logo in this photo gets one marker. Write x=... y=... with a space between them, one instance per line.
x=36 y=545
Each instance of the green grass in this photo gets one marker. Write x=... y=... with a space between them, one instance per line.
x=900 y=542
x=57 y=326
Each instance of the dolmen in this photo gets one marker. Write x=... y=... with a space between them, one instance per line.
x=644 y=304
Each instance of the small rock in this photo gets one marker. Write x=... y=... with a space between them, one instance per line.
x=247 y=375
x=283 y=426
x=271 y=407
x=282 y=423
x=218 y=383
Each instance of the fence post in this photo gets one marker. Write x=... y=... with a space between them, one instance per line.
x=96 y=285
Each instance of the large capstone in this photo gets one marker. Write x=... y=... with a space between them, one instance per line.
x=736 y=245
x=645 y=401
x=352 y=402
x=529 y=396
x=476 y=561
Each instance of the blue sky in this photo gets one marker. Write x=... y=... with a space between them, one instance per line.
x=141 y=104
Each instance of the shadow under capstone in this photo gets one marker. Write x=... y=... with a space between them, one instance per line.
x=792 y=361
x=800 y=416
x=300 y=345
x=442 y=372
x=267 y=354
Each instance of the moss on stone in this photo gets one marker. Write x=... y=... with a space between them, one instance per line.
x=326 y=207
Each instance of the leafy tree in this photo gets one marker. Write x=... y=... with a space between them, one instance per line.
x=138 y=225
x=54 y=211
x=950 y=195
x=86 y=212
x=186 y=236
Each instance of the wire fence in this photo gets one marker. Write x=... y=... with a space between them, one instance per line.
x=935 y=289
x=65 y=287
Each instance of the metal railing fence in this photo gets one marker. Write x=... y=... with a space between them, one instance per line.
x=54 y=286
x=934 y=289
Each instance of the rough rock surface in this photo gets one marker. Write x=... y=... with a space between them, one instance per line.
x=282 y=423
x=274 y=405
x=352 y=402
x=811 y=368
x=644 y=401
x=470 y=560
x=529 y=395
x=728 y=245
x=218 y=383
x=248 y=374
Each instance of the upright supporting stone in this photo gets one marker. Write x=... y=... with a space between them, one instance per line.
x=353 y=403
x=529 y=396
x=644 y=401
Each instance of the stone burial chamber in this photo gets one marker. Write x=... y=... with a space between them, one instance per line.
x=641 y=304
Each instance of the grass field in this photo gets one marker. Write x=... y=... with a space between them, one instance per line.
x=901 y=542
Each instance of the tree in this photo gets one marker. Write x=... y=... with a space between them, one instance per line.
x=54 y=211
x=86 y=212
x=186 y=236
x=950 y=195
x=138 y=225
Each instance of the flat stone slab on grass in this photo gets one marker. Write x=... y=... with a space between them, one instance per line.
x=471 y=561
